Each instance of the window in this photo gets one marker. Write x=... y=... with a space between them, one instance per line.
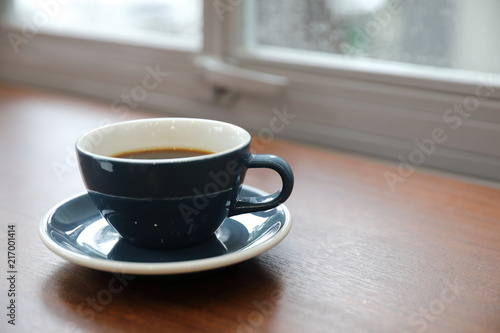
x=373 y=76
x=166 y=21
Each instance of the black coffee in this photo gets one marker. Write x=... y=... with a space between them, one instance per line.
x=162 y=153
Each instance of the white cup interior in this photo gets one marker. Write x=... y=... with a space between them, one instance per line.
x=181 y=133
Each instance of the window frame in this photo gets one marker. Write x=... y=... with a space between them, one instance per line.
x=413 y=100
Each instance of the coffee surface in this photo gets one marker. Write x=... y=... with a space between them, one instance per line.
x=162 y=153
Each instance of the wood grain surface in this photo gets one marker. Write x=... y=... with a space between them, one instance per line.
x=359 y=258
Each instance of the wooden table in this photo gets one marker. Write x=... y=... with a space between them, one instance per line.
x=360 y=257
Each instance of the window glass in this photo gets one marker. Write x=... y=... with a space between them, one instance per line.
x=175 y=20
x=442 y=33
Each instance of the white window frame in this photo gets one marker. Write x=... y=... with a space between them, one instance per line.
x=366 y=106
x=382 y=108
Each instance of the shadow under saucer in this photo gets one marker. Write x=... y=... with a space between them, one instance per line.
x=124 y=251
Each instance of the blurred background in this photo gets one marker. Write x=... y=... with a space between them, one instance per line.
x=371 y=76
x=442 y=33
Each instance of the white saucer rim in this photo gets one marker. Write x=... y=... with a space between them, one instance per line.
x=161 y=268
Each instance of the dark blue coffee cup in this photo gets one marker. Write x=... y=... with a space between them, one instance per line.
x=173 y=202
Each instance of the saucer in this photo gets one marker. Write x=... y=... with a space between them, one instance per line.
x=75 y=230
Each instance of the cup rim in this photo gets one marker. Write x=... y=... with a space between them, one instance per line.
x=82 y=150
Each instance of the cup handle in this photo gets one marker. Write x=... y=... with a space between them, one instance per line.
x=253 y=204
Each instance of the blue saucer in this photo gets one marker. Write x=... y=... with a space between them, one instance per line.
x=75 y=230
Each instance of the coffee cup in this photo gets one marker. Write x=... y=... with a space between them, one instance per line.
x=168 y=183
